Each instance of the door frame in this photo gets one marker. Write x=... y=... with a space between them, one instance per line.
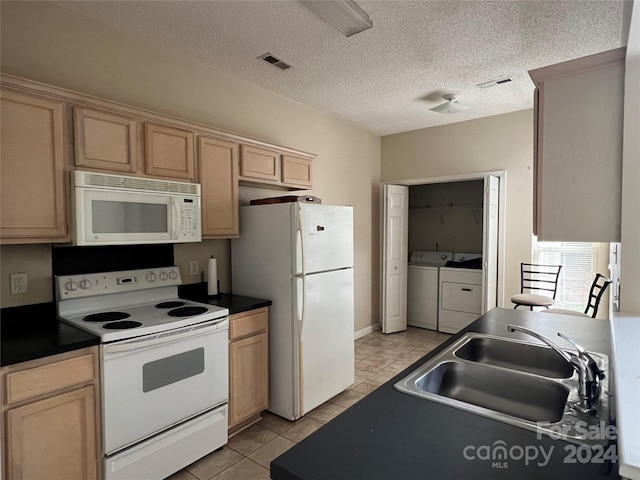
x=501 y=174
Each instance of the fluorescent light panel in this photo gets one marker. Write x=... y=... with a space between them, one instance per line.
x=344 y=15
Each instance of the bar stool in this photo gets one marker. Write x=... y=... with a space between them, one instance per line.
x=537 y=278
x=598 y=287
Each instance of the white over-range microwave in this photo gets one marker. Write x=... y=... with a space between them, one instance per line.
x=119 y=210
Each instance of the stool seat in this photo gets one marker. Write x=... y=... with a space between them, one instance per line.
x=532 y=300
x=564 y=311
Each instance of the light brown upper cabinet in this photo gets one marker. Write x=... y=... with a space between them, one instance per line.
x=578 y=148
x=259 y=163
x=32 y=169
x=104 y=140
x=296 y=171
x=218 y=173
x=274 y=167
x=169 y=152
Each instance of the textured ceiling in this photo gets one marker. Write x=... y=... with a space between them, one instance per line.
x=384 y=79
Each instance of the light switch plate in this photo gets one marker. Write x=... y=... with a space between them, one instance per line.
x=193 y=267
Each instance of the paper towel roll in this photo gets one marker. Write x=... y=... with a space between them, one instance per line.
x=212 y=272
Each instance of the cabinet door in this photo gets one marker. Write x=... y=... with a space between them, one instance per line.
x=53 y=438
x=32 y=185
x=104 y=140
x=578 y=165
x=248 y=377
x=218 y=171
x=168 y=152
x=296 y=171
x=259 y=163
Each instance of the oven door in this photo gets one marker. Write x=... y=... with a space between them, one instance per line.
x=152 y=383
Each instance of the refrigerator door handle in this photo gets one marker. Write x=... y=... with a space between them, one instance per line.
x=300 y=263
x=299 y=253
x=300 y=302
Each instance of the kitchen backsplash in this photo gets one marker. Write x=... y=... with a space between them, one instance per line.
x=41 y=262
x=35 y=261
x=77 y=260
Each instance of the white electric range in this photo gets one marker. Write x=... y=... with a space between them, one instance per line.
x=164 y=368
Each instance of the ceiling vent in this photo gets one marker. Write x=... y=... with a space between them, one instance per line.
x=275 y=61
x=494 y=83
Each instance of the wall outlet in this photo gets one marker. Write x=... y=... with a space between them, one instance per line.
x=19 y=283
x=193 y=267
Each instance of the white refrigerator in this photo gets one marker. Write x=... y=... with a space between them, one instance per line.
x=300 y=256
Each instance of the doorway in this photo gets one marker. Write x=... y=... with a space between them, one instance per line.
x=462 y=213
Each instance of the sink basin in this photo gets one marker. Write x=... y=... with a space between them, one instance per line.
x=504 y=391
x=512 y=381
x=512 y=354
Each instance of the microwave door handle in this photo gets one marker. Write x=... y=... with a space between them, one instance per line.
x=175 y=214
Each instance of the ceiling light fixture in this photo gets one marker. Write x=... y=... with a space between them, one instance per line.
x=450 y=106
x=344 y=15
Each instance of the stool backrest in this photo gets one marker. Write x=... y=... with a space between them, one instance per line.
x=537 y=277
x=598 y=287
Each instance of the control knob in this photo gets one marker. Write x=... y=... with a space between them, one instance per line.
x=85 y=284
x=163 y=276
x=173 y=275
x=71 y=286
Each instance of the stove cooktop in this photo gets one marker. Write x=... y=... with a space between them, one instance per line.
x=134 y=303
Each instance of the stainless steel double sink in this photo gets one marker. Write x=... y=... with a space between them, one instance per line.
x=520 y=383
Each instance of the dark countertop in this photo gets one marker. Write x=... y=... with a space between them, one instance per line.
x=235 y=303
x=392 y=435
x=33 y=331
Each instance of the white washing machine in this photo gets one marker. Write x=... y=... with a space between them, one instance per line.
x=422 y=287
x=460 y=293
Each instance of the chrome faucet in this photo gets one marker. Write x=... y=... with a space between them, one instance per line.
x=589 y=375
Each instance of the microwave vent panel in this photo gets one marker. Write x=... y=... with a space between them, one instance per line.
x=99 y=180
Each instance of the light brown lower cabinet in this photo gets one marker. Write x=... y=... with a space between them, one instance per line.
x=248 y=367
x=52 y=432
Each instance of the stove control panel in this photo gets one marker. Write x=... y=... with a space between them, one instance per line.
x=89 y=284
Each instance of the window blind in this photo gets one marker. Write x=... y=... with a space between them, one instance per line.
x=579 y=262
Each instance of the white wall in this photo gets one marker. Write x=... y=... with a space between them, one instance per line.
x=502 y=142
x=44 y=42
x=458 y=229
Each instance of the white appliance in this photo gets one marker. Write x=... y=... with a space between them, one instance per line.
x=423 y=286
x=460 y=293
x=116 y=210
x=300 y=256
x=164 y=368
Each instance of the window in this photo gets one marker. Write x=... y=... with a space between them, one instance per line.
x=580 y=262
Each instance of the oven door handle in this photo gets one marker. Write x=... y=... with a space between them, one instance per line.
x=166 y=337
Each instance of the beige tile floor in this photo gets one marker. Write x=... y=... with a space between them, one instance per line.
x=248 y=454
